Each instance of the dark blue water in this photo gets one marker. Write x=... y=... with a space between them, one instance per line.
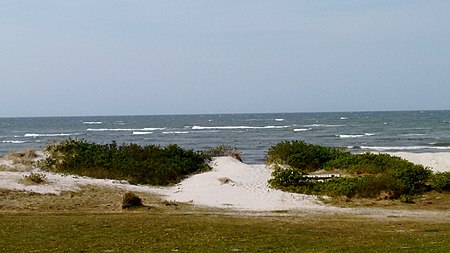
x=252 y=134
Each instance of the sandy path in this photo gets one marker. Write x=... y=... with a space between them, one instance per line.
x=246 y=189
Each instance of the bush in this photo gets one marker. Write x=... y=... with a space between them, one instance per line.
x=131 y=200
x=302 y=156
x=367 y=175
x=440 y=181
x=151 y=164
x=37 y=178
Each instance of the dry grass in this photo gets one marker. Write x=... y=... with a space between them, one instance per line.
x=429 y=201
x=26 y=156
x=88 y=199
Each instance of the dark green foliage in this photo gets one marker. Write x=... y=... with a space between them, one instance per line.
x=440 y=181
x=151 y=164
x=301 y=155
x=367 y=175
x=131 y=200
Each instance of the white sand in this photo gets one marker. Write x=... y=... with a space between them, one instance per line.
x=230 y=184
x=247 y=189
x=438 y=162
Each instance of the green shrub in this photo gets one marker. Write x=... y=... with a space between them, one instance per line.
x=367 y=175
x=150 y=164
x=440 y=181
x=407 y=199
x=37 y=178
x=131 y=200
x=301 y=155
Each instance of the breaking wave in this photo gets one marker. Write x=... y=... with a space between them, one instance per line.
x=323 y=125
x=235 y=127
x=123 y=129
x=92 y=122
x=354 y=135
x=301 y=129
x=386 y=148
x=13 y=142
x=48 y=135
x=141 y=133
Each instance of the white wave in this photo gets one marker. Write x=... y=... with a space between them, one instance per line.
x=301 y=129
x=343 y=118
x=381 y=148
x=123 y=129
x=354 y=135
x=48 y=135
x=92 y=122
x=235 y=127
x=323 y=125
x=279 y=120
x=176 y=132
x=410 y=135
x=13 y=142
x=141 y=133
x=344 y=136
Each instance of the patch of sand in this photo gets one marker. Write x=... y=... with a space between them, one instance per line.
x=438 y=162
x=246 y=188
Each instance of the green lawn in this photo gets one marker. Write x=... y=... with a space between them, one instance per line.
x=149 y=231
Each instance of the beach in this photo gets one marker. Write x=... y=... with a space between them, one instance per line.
x=230 y=184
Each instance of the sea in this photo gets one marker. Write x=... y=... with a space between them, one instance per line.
x=251 y=134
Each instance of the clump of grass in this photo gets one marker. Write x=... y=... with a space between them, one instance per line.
x=224 y=150
x=4 y=167
x=131 y=200
x=37 y=178
x=25 y=157
x=407 y=199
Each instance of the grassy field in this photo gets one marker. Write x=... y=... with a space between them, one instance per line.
x=135 y=231
x=92 y=220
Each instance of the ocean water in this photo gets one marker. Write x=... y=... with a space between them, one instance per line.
x=252 y=134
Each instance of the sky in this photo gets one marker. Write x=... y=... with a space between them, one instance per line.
x=84 y=57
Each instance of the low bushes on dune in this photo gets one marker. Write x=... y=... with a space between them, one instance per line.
x=363 y=175
x=150 y=164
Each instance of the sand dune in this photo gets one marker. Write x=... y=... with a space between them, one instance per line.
x=230 y=184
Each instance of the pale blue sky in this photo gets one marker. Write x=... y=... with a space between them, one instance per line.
x=61 y=58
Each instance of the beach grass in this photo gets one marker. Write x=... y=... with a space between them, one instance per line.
x=430 y=201
x=162 y=232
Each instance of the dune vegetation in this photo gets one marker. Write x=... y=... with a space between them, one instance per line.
x=364 y=175
x=152 y=164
